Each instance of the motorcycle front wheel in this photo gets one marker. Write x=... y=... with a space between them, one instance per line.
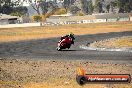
x=58 y=48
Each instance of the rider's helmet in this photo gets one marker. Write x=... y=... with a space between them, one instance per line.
x=71 y=34
x=67 y=36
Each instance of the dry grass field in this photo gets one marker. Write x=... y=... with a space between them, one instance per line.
x=118 y=42
x=17 y=34
x=56 y=74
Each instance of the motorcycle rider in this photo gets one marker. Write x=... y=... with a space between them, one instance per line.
x=66 y=41
x=71 y=35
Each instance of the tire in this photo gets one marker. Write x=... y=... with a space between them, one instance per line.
x=58 y=48
x=81 y=80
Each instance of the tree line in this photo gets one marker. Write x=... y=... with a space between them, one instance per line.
x=13 y=8
x=123 y=6
x=42 y=7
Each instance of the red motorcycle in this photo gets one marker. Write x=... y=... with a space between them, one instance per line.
x=64 y=43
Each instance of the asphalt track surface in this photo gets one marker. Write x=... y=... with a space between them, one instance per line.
x=46 y=49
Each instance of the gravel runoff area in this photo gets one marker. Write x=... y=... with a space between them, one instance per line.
x=27 y=73
x=123 y=43
x=118 y=42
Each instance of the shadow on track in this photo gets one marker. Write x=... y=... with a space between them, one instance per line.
x=71 y=50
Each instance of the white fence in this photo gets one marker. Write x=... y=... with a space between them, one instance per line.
x=112 y=20
x=65 y=22
x=98 y=20
x=90 y=21
x=20 y=25
x=95 y=21
x=130 y=18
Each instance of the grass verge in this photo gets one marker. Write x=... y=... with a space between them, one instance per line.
x=18 y=34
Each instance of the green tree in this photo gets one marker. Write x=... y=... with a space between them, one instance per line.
x=124 y=5
x=6 y=6
x=80 y=13
x=12 y=7
x=98 y=6
x=19 y=11
x=87 y=6
x=74 y=9
x=108 y=8
x=68 y=3
x=15 y=14
x=84 y=6
x=127 y=7
x=37 y=18
x=44 y=6
x=60 y=11
x=90 y=7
